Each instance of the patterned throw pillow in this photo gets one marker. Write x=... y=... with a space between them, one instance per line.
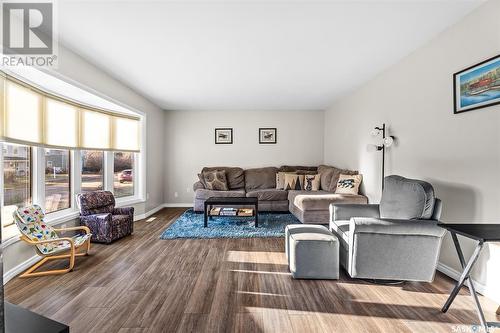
x=349 y=184
x=215 y=180
x=311 y=182
x=280 y=179
x=293 y=182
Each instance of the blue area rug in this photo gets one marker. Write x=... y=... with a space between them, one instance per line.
x=190 y=225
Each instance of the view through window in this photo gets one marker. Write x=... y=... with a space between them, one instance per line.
x=123 y=181
x=57 y=180
x=92 y=170
x=17 y=184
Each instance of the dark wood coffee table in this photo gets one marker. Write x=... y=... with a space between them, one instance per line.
x=243 y=202
x=482 y=233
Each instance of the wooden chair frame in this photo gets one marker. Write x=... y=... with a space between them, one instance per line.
x=73 y=252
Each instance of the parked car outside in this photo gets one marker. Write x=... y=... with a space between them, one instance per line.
x=125 y=176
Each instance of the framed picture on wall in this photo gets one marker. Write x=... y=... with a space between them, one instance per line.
x=223 y=136
x=477 y=86
x=267 y=135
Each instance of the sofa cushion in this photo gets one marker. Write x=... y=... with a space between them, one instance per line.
x=295 y=168
x=321 y=200
x=406 y=199
x=215 y=180
x=341 y=229
x=204 y=194
x=260 y=178
x=235 y=176
x=326 y=173
x=268 y=194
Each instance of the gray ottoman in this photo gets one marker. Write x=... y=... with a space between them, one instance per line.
x=292 y=229
x=313 y=254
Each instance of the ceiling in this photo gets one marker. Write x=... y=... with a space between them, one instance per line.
x=243 y=55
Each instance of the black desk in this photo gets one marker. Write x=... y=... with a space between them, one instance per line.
x=210 y=202
x=482 y=233
x=19 y=320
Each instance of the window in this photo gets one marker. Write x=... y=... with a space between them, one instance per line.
x=123 y=178
x=57 y=180
x=17 y=184
x=92 y=170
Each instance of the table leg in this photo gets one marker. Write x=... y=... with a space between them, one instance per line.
x=467 y=268
x=205 y=216
x=256 y=215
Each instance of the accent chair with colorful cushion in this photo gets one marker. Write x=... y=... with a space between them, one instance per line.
x=46 y=241
x=107 y=223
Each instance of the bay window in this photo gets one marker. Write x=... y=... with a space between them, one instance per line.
x=53 y=148
x=123 y=174
x=16 y=184
x=57 y=180
x=92 y=170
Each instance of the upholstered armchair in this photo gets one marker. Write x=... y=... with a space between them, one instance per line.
x=46 y=241
x=107 y=223
x=396 y=240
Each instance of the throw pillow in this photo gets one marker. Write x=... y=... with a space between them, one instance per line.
x=349 y=184
x=326 y=174
x=311 y=182
x=293 y=182
x=336 y=175
x=280 y=180
x=202 y=181
x=215 y=180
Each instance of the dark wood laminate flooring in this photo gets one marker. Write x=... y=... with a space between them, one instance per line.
x=144 y=284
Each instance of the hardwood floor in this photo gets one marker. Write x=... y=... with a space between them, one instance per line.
x=144 y=284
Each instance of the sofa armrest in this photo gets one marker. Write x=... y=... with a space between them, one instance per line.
x=396 y=227
x=198 y=186
x=343 y=212
x=124 y=211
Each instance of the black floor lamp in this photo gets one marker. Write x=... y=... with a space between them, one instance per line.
x=385 y=142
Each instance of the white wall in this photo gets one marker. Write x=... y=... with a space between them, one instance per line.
x=189 y=144
x=458 y=154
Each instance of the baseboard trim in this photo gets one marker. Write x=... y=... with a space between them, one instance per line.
x=174 y=205
x=148 y=213
x=455 y=275
x=13 y=272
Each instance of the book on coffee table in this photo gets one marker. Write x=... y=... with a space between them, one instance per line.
x=228 y=211
x=215 y=211
x=245 y=212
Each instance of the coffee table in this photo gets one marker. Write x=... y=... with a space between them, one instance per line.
x=482 y=233
x=243 y=202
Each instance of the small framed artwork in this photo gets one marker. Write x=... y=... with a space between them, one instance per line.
x=267 y=135
x=477 y=86
x=223 y=136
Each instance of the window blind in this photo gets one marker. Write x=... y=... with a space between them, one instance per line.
x=34 y=117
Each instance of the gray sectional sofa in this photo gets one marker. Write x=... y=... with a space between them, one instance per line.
x=307 y=206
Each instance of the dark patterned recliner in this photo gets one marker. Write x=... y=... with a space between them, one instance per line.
x=106 y=223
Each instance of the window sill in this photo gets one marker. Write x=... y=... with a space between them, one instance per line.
x=128 y=201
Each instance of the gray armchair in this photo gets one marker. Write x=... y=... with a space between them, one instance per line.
x=396 y=240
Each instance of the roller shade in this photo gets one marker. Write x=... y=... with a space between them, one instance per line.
x=96 y=130
x=61 y=124
x=125 y=134
x=34 y=117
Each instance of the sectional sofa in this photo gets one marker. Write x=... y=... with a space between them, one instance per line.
x=307 y=206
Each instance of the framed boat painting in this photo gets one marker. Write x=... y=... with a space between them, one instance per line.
x=477 y=86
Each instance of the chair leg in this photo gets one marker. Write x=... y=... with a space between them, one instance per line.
x=30 y=272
